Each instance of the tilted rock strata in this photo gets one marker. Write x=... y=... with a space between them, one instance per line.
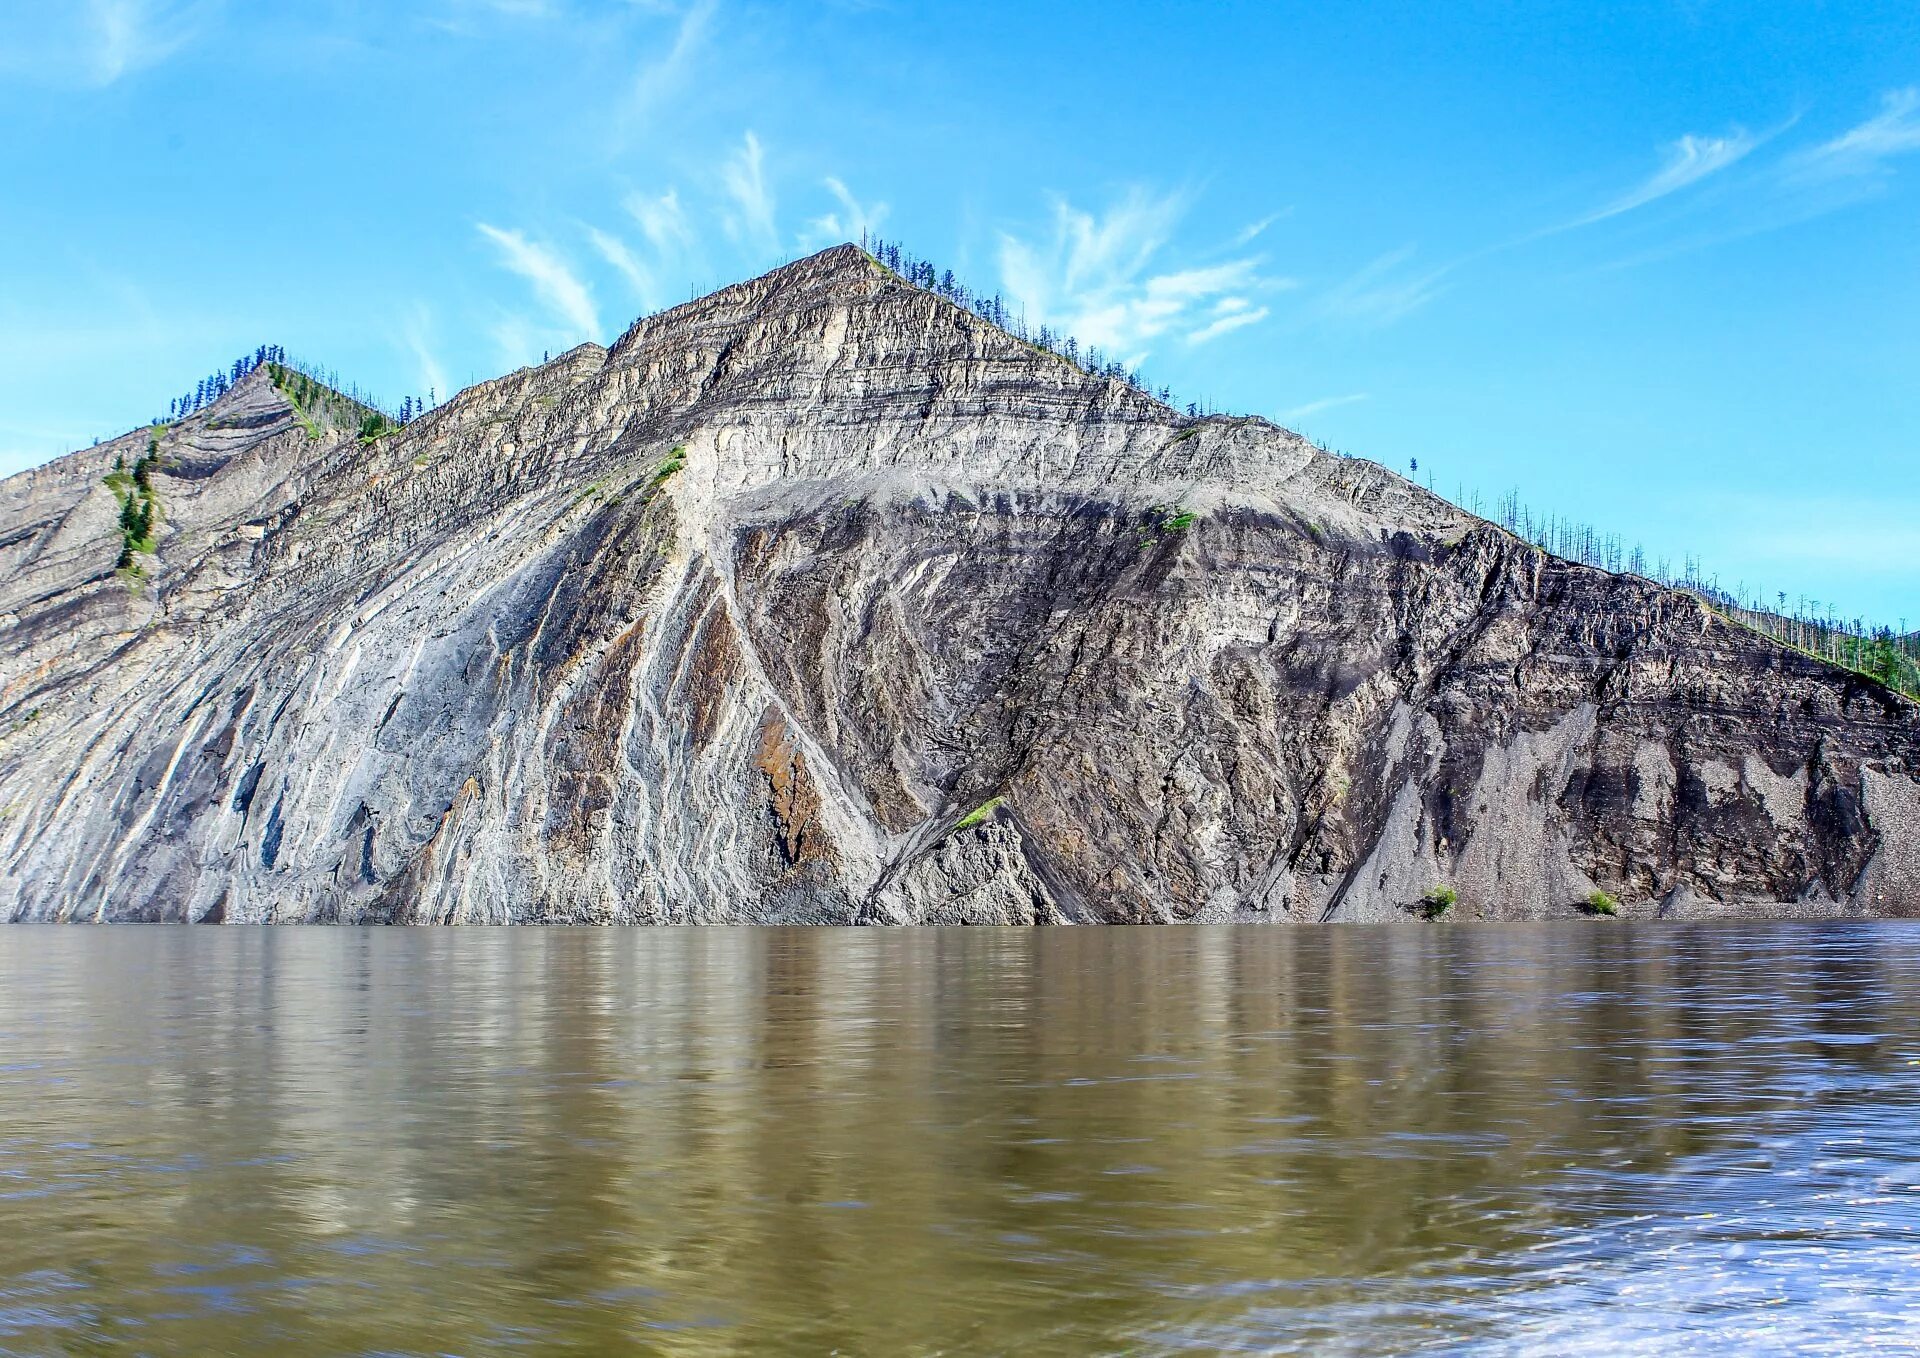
x=821 y=600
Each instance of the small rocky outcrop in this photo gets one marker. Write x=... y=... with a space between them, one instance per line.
x=821 y=600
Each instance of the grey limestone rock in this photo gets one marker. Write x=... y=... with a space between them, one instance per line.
x=741 y=619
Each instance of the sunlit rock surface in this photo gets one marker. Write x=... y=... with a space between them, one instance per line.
x=821 y=600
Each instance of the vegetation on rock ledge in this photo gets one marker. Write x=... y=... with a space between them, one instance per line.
x=139 y=505
x=979 y=814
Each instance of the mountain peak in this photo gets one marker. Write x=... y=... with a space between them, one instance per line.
x=845 y=255
x=826 y=598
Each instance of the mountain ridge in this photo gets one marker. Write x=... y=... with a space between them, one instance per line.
x=815 y=599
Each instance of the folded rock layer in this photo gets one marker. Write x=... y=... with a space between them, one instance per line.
x=821 y=600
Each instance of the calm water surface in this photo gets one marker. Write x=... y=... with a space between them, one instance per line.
x=1553 y=1139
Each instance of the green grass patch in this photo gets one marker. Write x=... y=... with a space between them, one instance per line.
x=1437 y=902
x=1600 y=903
x=979 y=814
x=670 y=465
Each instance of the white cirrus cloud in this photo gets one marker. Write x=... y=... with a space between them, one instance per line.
x=663 y=222
x=617 y=253
x=416 y=333
x=513 y=9
x=852 y=220
x=749 y=221
x=669 y=75
x=1866 y=148
x=1246 y=234
x=97 y=42
x=1384 y=290
x=1312 y=408
x=1688 y=161
x=726 y=228
x=553 y=282
x=1105 y=279
x=1229 y=314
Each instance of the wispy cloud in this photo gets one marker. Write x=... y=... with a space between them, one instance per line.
x=416 y=333
x=1384 y=290
x=668 y=75
x=662 y=221
x=1229 y=314
x=515 y=341
x=97 y=42
x=1841 y=172
x=1246 y=234
x=1688 y=161
x=1312 y=408
x=749 y=222
x=515 y=9
x=627 y=264
x=553 y=282
x=1866 y=149
x=1101 y=278
x=127 y=37
x=725 y=227
x=852 y=221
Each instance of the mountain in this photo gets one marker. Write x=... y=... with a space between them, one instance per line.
x=821 y=599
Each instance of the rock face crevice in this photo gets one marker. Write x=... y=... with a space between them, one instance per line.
x=821 y=600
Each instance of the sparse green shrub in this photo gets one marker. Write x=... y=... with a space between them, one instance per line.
x=316 y=405
x=139 y=506
x=1438 y=901
x=1165 y=519
x=1600 y=903
x=672 y=463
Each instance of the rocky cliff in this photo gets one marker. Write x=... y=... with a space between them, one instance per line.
x=822 y=600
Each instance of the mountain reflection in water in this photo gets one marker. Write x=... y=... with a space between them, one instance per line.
x=1584 y=1138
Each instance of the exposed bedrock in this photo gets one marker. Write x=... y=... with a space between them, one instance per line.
x=820 y=600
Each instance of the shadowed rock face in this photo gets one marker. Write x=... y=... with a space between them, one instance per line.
x=821 y=600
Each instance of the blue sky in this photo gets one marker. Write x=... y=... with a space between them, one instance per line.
x=1657 y=267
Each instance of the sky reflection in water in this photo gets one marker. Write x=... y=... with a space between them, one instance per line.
x=1563 y=1139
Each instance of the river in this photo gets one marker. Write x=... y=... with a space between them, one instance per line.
x=1556 y=1139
